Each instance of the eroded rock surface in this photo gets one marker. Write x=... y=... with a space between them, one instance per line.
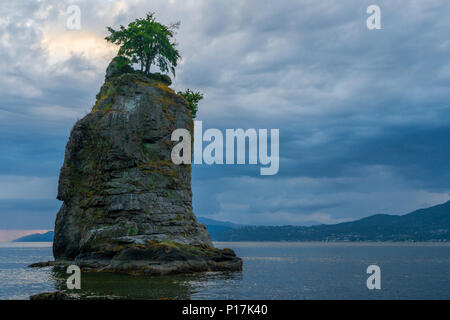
x=126 y=206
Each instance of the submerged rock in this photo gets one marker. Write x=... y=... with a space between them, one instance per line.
x=126 y=207
x=56 y=295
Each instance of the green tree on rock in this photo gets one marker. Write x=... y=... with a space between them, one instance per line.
x=147 y=42
x=193 y=99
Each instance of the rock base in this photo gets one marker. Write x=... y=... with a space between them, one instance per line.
x=155 y=258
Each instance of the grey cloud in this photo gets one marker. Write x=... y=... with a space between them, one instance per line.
x=363 y=115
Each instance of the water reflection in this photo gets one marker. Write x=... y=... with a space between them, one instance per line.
x=117 y=286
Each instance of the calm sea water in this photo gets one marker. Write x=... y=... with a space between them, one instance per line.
x=271 y=271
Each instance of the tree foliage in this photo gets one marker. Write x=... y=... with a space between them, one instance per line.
x=193 y=99
x=147 y=42
x=122 y=64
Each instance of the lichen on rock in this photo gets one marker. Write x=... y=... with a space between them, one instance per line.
x=126 y=207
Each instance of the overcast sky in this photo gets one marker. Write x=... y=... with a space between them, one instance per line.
x=363 y=114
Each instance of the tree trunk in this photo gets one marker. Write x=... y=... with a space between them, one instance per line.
x=147 y=65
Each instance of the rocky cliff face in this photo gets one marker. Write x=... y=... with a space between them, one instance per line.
x=126 y=206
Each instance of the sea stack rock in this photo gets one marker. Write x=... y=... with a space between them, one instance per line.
x=126 y=207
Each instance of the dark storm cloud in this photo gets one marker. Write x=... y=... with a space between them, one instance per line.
x=26 y=152
x=363 y=115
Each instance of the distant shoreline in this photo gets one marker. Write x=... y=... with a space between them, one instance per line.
x=6 y=244
x=429 y=225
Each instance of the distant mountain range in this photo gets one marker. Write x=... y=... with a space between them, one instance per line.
x=37 y=237
x=430 y=224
